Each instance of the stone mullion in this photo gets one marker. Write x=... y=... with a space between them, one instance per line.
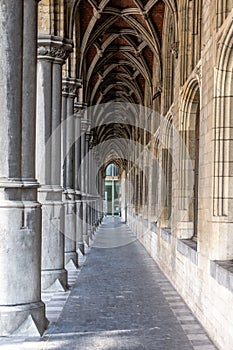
x=52 y=54
x=69 y=91
x=22 y=310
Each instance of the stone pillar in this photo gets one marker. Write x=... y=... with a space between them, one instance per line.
x=99 y=191
x=22 y=312
x=94 y=189
x=97 y=160
x=84 y=178
x=93 y=183
x=88 y=185
x=78 y=114
x=52 y=53
x=69 y=91
x=101 y=196
x=123 y=195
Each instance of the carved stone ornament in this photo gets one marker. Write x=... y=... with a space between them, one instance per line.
x=85 y=124
x=79 y=110
x=54 y=48
x=71 y=86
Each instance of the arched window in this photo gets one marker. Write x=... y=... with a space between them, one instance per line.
x=112 y=170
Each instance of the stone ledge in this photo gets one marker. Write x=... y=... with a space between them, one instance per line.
x=188 y=248
x=166 y=235
x=222 y=272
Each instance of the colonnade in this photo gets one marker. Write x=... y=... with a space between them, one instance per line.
x=50 y=204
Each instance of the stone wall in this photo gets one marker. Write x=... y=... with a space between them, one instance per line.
x=199 y=264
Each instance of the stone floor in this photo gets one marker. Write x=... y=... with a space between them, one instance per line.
x=119 y=300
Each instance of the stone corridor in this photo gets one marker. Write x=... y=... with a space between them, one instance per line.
x=119 y=299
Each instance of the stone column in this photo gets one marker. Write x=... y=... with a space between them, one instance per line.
x=22 y=312
x=88 y=184
x=123 y=195
x=84 y=178
x=52 y=53
x=78 y=114
x=94 y=189
x=99 y=191
x=70 y=88
x=90 y=227
x=92 y=184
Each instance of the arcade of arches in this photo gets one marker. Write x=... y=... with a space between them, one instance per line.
x=143 y=84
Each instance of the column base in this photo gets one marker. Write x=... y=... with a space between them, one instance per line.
x=71 y=261
x=90 y=234
x=86 y=240
x=54 y=280
x=26 y=320
x=81 y=248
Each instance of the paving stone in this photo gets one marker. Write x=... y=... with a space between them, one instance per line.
x=118 y=302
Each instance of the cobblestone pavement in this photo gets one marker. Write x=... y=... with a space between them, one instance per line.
x=120 y=301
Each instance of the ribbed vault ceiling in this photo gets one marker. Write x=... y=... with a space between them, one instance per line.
x=119 y=55
x=120 y=43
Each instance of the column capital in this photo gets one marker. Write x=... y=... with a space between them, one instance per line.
x=79 y=109
x=54 y=48
x=85 y=124
x=70 y=86
x=89 y=135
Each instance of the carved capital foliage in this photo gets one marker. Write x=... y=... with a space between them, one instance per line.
x=85 y=124
x=79 y=109
x=70 y=86
x=54 y=48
